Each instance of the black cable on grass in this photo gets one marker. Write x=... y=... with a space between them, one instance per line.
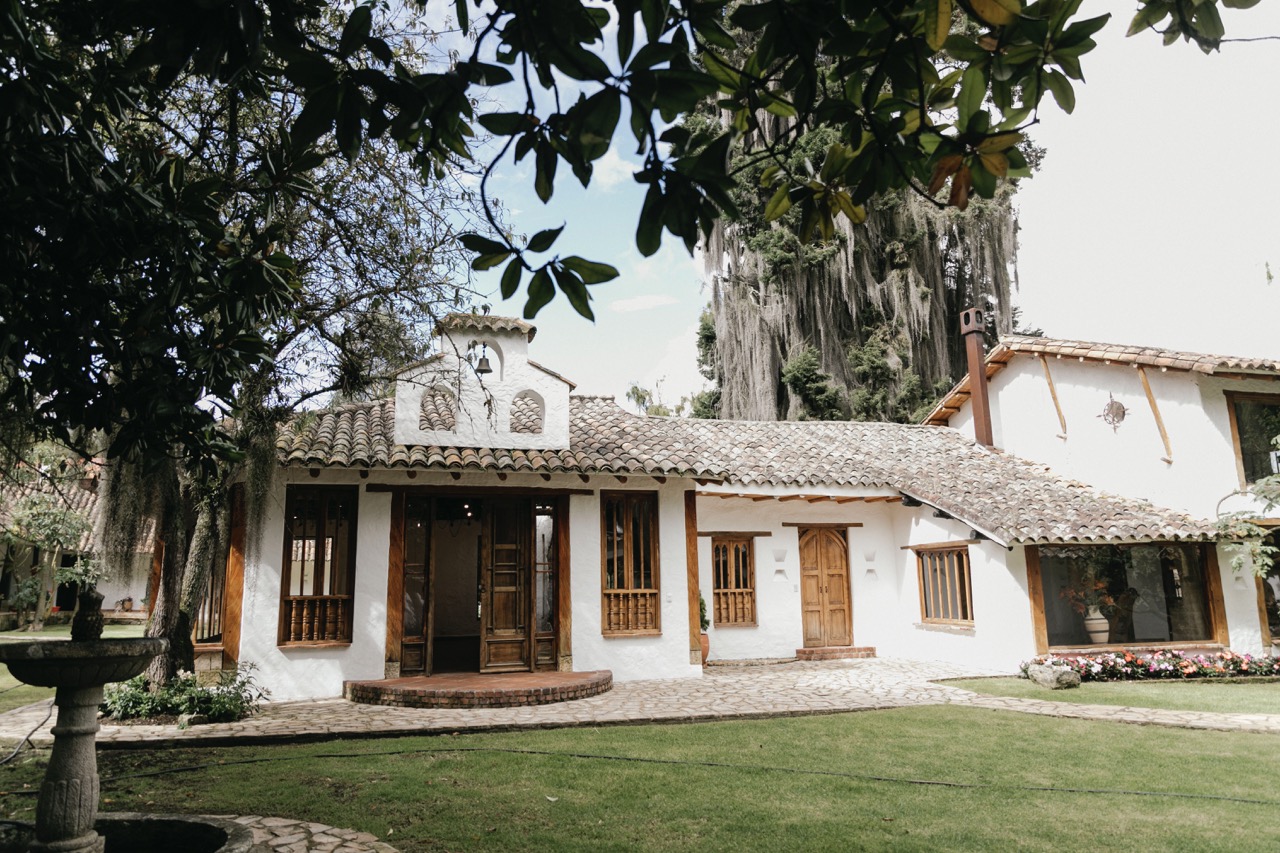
x=866 y=777
x=26 y=740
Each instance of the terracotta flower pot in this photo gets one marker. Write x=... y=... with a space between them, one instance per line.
x=706 y=647
x=1096 y=625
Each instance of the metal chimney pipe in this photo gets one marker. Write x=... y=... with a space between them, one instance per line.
x=972 y=328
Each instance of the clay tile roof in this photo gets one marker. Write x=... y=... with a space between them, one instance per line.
x=1138 y=356
x=72 y=492
x=1007 y=498
x=487 y=323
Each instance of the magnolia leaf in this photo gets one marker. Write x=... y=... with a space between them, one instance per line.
x=945 y=168
x=591 y=272
x=996 y=13
x=995 y=163
x=543 y=240
x=1062 y=90
x=999 y=142
x=937 y=23
x=779 y=204
x=511 y=278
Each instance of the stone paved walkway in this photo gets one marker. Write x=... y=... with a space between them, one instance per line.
x=777 y=690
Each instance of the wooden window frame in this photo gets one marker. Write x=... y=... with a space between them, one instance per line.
x=1231 y=398
x=722 y=596
x=341 y=633
x=654 y=592
x=959 y=577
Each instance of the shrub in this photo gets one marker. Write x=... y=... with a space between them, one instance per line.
x=235 y=696
x=1145 y=666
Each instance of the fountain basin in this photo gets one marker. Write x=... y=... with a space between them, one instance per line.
x=130 y=832
x=79 y=664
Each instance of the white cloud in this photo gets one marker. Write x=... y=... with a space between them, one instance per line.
x=642 y=303
x=611 y=170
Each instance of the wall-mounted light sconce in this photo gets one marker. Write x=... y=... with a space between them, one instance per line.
x=779 y=555
x=871 y=575
x=780 y=575
x=869 y=555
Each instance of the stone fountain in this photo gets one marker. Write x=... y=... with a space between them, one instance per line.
x=67 y=809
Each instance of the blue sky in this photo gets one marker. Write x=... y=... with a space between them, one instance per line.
x=1151 y=222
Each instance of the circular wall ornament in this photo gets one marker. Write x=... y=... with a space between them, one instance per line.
x=1113 y=413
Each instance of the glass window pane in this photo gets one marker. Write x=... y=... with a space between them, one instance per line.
x=1148 y=593
x=1257 y=424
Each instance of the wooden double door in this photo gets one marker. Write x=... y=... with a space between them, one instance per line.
x=490 y=562
x=824 y=587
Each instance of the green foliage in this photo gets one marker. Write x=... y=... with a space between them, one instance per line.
x=26 y=593
x=234 y=697
x=706 y=404
x=804 y=378
x=45 y=521
x=138 y=285
x=702 y=613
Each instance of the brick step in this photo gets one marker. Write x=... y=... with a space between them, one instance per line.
x=836 y=653
x=472 y=690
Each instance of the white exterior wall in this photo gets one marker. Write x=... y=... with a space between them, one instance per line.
x=1130 y=460
x=300 y=672
x=883 y=584
x=629 y=658
x=1127 y=460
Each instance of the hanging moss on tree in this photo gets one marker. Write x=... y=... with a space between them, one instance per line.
x=875 y=308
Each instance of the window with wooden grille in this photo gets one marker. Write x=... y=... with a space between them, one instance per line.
x=629 y=588
x=946 y=596
x=733 y=568
x=319 y=564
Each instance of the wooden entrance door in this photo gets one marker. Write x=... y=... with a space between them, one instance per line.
x=505 y=573
x=824 y=587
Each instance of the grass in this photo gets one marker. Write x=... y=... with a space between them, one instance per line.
x=1226 y=697
x=63 y=632
x=836 y=782
x=14 y=694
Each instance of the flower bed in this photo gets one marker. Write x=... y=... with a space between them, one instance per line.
x=1145 y=666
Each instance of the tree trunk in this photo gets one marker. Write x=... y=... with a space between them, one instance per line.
x=206 y=548
x=164 y=616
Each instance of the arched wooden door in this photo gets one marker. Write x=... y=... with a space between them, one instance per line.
x=824 y=587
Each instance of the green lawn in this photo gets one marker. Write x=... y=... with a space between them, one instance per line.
x=1227 y=697
x=15 y=694
x=806 y=783
x=63 y=632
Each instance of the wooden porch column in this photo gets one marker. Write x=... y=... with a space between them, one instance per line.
x=395 y=587
x=691 y=566
x=564 y=592
x=233 y=583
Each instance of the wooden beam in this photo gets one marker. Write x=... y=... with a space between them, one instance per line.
x=935 y=546
x=502 y=476
x=1263 y=621
x=1155 y=410
x=691 y=572
x=479 y=491
x=1053 y=393
x=828 y=525
x=735 y=534
x=851 y=500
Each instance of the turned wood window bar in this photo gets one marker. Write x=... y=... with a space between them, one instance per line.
x=734 y=580
x=946 y=594
x=629 y=545
x=319 y=565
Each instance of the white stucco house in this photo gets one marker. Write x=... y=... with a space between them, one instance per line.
x=493 y=522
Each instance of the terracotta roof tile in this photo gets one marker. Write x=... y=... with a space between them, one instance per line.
x=1002 y=496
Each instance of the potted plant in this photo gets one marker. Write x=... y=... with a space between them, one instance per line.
x=1090 y=596
x=706 y=623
